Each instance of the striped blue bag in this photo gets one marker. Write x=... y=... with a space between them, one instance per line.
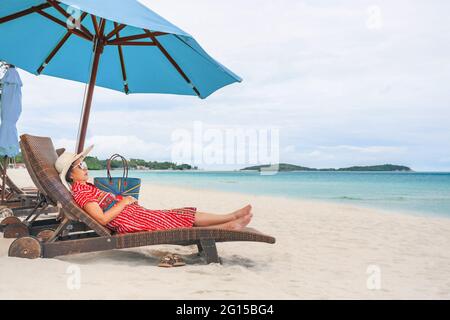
x=123 y=186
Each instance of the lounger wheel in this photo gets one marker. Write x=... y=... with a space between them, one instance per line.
x=5 y=213
x=26 y=247
x=44 y=235
x=15 y=230
x=10 y=220
x=5 y=223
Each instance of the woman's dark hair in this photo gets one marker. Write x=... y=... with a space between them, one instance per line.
x=68 y=178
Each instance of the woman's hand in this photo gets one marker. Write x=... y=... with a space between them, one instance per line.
x=129 y=200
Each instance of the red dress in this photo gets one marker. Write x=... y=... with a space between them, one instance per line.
x=133 y=217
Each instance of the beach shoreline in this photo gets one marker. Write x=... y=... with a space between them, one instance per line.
x=419 y=194
x=323 y=251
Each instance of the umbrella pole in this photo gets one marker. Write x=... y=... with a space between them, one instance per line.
x=5 y=163
x=98 y=50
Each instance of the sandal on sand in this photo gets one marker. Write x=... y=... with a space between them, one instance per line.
x=177 y=260
x=166 y=261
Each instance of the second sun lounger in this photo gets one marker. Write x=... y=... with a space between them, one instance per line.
x=13 y=227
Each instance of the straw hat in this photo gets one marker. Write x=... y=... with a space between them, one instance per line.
x=64 y=162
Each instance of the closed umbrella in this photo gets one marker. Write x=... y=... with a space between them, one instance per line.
x=116 y=44
x=11 y=107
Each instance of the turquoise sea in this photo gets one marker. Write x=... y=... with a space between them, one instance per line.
x=423 y=193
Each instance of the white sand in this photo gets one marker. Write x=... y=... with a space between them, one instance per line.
x=323 y=251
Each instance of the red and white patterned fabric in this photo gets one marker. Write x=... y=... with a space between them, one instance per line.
x=134 y=217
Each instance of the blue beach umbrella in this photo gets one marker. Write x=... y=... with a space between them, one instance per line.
x=116 y=44
x=10 y=109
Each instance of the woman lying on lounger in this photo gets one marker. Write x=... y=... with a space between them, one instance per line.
x=125 y=215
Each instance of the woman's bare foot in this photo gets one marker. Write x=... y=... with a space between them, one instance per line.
x=241 y=212
x=241 y=222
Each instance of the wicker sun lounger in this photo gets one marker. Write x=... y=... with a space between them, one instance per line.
x=41 y=157
x=13 y=227
x=15 y=196
x=27 y=195
x=13 y=191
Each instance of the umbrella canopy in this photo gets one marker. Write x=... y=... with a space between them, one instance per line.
x=11 y=107
x=116 y=44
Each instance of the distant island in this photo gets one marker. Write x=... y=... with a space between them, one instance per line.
x=293 y=167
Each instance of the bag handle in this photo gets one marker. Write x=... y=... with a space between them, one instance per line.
x=124 y=165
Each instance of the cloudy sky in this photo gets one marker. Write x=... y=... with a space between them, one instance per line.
x=348 y=82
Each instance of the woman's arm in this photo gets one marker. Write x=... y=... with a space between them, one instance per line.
x=106 y=217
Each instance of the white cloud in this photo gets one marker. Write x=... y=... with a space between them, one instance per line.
x=128 y=146
x=366 y=150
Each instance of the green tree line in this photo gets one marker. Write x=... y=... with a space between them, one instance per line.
x=95 y=164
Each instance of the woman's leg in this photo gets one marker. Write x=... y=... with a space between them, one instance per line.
x=203 y=219
x=236 y=224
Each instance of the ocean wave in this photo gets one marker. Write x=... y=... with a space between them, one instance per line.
x=399 y=198
x=373 y=199
x=348 y=198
